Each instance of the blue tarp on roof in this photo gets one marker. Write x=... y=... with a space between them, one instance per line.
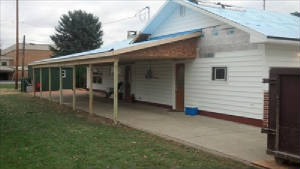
x=106 y=48
x=273 y=24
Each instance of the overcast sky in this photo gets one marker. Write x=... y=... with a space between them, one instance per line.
x=38 y=18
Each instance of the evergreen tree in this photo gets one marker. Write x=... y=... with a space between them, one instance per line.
x=77 y=31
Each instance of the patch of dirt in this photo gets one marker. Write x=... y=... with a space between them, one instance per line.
x=271 y=164
x=8 y=91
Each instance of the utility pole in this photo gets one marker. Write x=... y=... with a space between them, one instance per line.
x=148 y=9
x=17 y=44
x=264 y=4
x=23 y=57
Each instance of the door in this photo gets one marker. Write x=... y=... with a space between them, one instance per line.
x=284 y=113
x=179 y=85
x=289 y=116
x=127 y=91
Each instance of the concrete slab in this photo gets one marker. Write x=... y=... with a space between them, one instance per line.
x=235 y=140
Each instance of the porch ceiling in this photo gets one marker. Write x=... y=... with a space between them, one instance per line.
x=181 y=47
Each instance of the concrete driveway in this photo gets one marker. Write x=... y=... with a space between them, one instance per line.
x=239 y=141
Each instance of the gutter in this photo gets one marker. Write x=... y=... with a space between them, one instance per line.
x=282 y=38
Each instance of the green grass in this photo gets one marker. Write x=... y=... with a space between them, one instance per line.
x=35 y=133
x=7 y=86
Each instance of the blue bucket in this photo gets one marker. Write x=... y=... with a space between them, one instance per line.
x=191 y=111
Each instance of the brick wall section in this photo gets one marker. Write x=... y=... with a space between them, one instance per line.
x=266 y=110
x=30 y=56
x=184 y=49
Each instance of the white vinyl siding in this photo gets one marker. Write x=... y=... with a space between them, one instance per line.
x=282 y=56
x=107 y=77
x=156 y=90
x=242 y=92
x=191 y=20
x=240 y=95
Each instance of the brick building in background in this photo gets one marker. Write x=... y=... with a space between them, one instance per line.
x=33 y=52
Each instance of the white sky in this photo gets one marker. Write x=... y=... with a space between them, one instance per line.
x=39 y=17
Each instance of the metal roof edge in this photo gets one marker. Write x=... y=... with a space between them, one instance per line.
x=283 y=38
x=280 y=40
x=28 y=46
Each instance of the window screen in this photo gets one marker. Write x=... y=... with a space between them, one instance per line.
x=219 y=73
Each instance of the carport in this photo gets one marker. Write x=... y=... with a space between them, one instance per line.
x=217 y=136
x=225 y=138
x=179 y=46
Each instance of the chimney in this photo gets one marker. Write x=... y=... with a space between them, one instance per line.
x=131 y=34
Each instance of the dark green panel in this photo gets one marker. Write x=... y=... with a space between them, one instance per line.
x=45 y=73
x=37 y=75
x=81 y=72
x=55 y=78
x=29 y=73
x=67 y=81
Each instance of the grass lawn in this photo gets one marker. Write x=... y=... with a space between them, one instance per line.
x=8 y=86
x=35 y=133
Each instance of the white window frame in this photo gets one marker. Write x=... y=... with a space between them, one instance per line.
x=214 y=74
x=97 y=73
x=63 y=73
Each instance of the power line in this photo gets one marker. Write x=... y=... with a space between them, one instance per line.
x=119 y=20
x=137 y=14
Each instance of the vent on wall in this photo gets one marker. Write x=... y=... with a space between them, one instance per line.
x=182 y=11
x=207 y=55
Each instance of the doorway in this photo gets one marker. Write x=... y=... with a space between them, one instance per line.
x=179 y=87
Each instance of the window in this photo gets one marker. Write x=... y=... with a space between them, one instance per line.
x=97 y=77
x=3 y=63
x=63 y=74
x=219 y=73
x=182 y=11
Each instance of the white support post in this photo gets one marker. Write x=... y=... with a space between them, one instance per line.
x=60 y=86
x=41 y=82
x=50 y=88
x=74 y=87
x=116 y=73
x=33 y=82
x=91 y=109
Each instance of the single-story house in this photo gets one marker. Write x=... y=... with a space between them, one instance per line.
x=213 y=57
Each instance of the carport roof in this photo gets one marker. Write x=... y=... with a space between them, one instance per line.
x=123 y=47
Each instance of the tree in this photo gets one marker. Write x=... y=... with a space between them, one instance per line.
x=77 y=31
